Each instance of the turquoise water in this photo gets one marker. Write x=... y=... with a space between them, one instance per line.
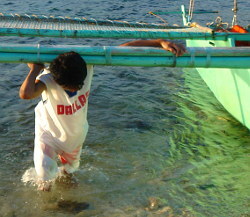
x=156 y=134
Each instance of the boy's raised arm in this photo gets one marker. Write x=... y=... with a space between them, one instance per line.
x=32 y=88
x=176 y=49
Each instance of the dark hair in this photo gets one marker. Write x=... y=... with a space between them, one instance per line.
x=69 y=70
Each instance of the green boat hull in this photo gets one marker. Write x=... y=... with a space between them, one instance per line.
x=230 y=86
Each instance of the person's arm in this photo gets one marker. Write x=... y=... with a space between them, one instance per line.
x=32 y=88
x=176 y=49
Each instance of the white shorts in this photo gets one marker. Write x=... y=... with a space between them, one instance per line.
x=45 y=160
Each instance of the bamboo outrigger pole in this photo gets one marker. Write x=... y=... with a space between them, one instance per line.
x=42 y=26
x=237 y=57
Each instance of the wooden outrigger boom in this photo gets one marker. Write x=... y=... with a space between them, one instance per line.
x=131 y=56
x=41 y=26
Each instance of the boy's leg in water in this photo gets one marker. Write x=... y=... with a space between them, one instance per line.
x=45 y=165
x=71 y=162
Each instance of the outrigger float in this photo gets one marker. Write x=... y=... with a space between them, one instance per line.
x=216 y=52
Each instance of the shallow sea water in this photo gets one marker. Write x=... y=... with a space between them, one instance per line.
x=159 y=143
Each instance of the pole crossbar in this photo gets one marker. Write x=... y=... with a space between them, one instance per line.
x=235 y=57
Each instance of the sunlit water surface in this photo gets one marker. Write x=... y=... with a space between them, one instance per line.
x=159 y=143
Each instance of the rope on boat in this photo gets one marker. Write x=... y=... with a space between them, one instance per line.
x=9 y=19
x=235 y=9
x=49 y=26
x=44 y=26
x=65 y=27
x=218 y=24
x=191 y=10
x=164 y=21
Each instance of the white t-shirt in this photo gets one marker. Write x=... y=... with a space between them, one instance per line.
x=61 y=119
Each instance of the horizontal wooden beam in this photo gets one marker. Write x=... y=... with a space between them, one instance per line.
x=126 y=33
x=237 y=57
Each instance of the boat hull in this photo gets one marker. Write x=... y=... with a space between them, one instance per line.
x=230 y=86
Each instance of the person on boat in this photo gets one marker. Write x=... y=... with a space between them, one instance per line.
x=61 y=122
x=177 y=49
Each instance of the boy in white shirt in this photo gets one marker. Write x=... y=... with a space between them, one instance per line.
x=61 y=122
